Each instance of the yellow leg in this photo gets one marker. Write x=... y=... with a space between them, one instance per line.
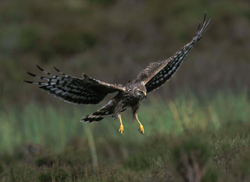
x=121 y=126
x=140 y=129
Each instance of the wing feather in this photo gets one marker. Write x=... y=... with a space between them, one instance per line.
x=75 y=90
x=157 y=73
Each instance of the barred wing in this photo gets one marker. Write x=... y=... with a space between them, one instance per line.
x=157 y=73
x=75 y=90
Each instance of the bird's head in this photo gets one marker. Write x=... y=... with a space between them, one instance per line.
x=140 y=92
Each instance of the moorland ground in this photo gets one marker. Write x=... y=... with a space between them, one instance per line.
x=197 y=125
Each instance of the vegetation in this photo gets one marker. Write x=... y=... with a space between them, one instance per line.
x=185 y=139
x=196 y=126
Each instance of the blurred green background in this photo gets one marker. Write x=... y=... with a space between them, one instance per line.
x=206 y=103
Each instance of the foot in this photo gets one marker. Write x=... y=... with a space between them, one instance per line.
x=141 y=129
x=121 y=129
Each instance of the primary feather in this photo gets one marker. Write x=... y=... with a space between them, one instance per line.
x=157 y=73
x=74 y=90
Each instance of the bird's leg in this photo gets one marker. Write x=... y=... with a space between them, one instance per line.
x=121 y=126
x=140 y=129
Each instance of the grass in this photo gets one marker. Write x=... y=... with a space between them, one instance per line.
x=186 y=138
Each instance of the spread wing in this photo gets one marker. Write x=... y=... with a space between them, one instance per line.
x=84 y=90
x=157 y=73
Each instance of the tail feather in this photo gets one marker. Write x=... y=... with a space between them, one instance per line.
x=100 y=114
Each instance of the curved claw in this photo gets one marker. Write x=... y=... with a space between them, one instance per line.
x=121 y=129
x=141 y=129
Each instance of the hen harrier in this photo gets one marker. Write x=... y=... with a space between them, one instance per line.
x=87 y=90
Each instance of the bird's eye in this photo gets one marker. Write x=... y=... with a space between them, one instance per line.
x=140 y=92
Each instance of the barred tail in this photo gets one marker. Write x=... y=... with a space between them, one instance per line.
x=100 y=114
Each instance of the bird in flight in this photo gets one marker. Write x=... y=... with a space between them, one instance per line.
x=87 y=90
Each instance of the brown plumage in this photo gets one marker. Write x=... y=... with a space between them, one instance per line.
x=87 y=90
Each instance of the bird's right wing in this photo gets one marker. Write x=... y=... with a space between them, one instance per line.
x=157 y=73
x=84 y=90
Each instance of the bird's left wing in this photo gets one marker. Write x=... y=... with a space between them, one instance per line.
x=157 y=73
x=84 y=90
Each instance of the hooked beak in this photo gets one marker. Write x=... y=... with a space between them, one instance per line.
x=145 y=95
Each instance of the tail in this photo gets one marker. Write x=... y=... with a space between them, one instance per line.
x=101 y=113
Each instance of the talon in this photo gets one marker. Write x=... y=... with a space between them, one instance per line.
x=141 y=129
x=121 y=129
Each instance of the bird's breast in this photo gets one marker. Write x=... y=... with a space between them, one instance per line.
x=129 y=100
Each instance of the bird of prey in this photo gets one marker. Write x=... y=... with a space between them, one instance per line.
x=87 y=90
